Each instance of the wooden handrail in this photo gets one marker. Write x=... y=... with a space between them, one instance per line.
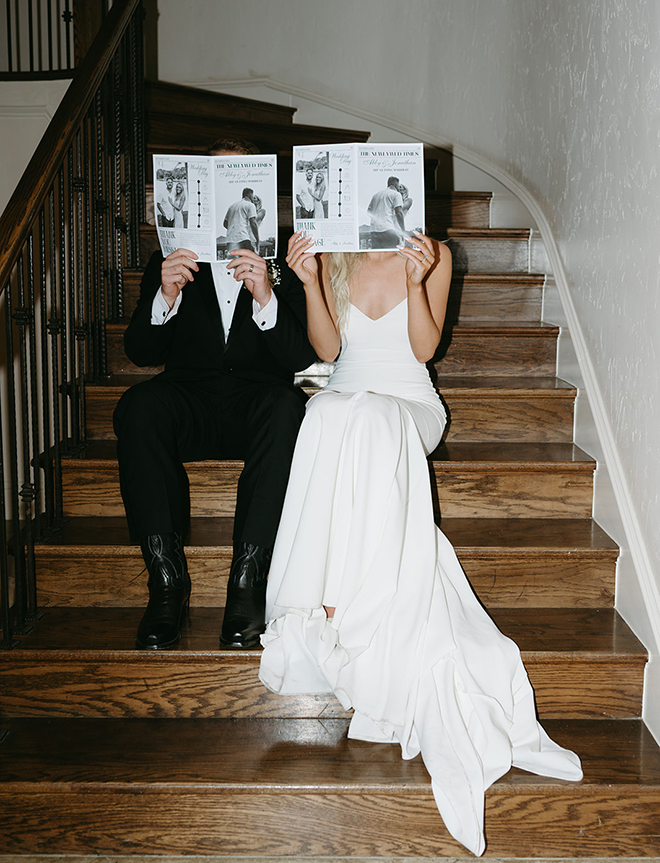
x=29 y=196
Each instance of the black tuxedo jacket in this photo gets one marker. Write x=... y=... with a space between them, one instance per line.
x=192 y=344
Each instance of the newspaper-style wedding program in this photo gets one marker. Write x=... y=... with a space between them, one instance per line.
x=358 y=197
x=211 y=204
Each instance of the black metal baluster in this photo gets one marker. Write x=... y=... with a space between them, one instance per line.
x=67 y=17
x=49 y=33
x=58 y=31
x=46 y=229
x=109 y=173
x=99 y=245
x=64 y=347
x=8 y=642
x=120 y=225
x=17 y=12
x=6 y=607
x=20 y=603
x=70 y=319
x=44 y=509
x=30 y=491
x=10 y=50
x=90 y=347
x=30 y=36
x=55 y=325
x=40 y=46
x=136 y=157
x=126 y=148
x=141 y=117
x=78 y=299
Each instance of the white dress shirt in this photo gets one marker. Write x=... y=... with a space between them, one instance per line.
x=227 y=290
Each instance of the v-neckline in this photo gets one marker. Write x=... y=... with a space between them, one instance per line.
x=380 y=318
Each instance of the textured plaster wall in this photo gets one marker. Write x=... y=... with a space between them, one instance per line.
x=563 y=96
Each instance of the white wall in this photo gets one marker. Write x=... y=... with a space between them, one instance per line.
x=26 y=109
x=557 y=99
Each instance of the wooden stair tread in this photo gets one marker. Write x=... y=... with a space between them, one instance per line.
x=163 y=125
x=469 y=454
x=488 y=233
x=497 y=328
x=196 y=102
x=465 y=455
x=509 y=386
x=287 y=789
x=467 y=535
x=488 y=329
x=99 y=632
x=112 y=533
x=458 y=194
x=306 y=754
x=501 y=279
x=133 y=275
x=533 y=534
x=488 y=326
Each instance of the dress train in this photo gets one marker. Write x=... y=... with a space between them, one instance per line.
x=409 y=648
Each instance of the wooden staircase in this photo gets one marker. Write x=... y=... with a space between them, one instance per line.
x=110 y=750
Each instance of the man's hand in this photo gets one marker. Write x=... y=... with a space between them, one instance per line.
x=250 y=268
x=175 y=273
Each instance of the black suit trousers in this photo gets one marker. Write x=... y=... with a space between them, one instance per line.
x=161 y=423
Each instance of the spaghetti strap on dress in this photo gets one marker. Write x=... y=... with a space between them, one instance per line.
x=409 y=648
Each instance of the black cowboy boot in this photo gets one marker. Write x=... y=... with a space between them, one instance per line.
x=245 y=612
x=169 y=591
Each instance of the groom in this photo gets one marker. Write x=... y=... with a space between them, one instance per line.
x=231 y=337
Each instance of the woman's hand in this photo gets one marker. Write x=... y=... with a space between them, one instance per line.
x=419 y=259
x=301 y=258
x=250 y=268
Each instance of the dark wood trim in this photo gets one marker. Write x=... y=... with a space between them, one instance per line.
x=25 y=204
x=87 y=21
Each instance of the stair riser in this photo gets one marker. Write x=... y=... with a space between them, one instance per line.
x=497 y=355
x=517 y=494
x=547 y=420
x=217 y=687
x=478 y=418
x=457 y=211
x=480 y=493
x=497 y=255
x=492 y=355
x=468 y=301
x=442 y=211
x=575 y=821
x=485 y=302
x=119 y=580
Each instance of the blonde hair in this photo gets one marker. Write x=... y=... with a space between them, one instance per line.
x=341 y=266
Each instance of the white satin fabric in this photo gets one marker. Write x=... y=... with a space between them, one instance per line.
x=410 y=648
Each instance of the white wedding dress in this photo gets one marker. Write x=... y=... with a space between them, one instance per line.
x=409 y=648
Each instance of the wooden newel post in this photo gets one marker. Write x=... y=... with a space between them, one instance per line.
x=87 y=19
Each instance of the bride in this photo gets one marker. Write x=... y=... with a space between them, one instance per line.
x=366 y=597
